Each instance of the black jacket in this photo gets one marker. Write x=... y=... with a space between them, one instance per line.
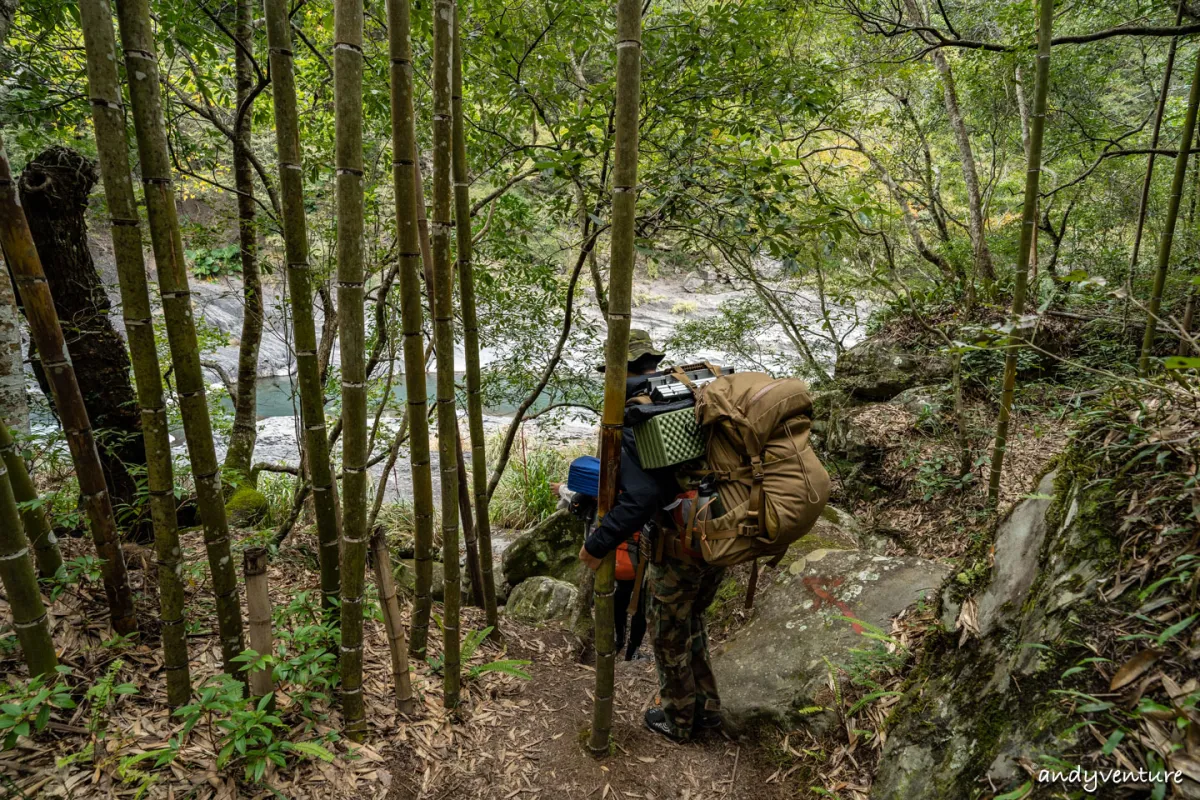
x=641 y=492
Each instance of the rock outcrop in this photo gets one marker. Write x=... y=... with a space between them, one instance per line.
x=550 y=548
x=775 y=668
x=541 y=599
x=876 y=369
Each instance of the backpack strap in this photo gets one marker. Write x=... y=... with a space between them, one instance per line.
x=755 y=524
x=638 y=578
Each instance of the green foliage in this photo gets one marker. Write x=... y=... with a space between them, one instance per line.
x=525 y=494
x=25 y=707
x=305 y=664
x=253 y=735
x=74 y=572
x=471 y=643
x=212 y=263
x=937 y=474
x=99 y=700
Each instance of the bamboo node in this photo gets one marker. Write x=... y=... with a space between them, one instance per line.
x=353 y=48
x=24 y=551
x=104 y=103
x=629 y=43
x=357 y=173
x=37 y=623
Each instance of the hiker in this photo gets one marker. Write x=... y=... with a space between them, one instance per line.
x=681 y=587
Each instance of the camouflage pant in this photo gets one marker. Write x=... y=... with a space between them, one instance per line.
x=679 y=595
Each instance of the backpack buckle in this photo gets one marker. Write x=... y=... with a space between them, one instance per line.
x=756 y=468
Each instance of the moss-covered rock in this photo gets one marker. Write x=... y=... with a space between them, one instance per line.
x=550 y=548
x=247 y=507
x=980 y=701
x=541 y=599
x=876 y=369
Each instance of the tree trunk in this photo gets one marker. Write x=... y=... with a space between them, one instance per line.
x=108 y=119
x=966 y=155
x=54 y=192
x=1168 y=232
x=483 y=584
x=620 y=288
x=141 y=65
x=407 y=188
x=240 y=454
x=300 y=289
x=44 y=329
x=1033 y=172
x=14 y=407
x=443 y=337
x=1164 y=93
x=21 y=586
x=348 y=69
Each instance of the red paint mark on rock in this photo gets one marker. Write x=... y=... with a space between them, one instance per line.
x=821 y=587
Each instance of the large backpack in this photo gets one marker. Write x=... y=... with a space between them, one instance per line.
x=770 y=484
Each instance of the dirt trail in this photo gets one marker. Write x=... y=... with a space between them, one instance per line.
x=525 y=739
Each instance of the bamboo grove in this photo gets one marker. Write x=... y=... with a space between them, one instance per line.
x=438 y=285
x=342 y=532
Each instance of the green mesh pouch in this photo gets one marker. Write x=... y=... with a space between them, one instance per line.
x=669 y=439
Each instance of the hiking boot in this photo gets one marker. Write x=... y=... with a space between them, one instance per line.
x=708 y=720
x=657 y=722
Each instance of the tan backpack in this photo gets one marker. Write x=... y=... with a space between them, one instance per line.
x=771 y=485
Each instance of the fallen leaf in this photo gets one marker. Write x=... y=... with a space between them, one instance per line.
x=1133 y=669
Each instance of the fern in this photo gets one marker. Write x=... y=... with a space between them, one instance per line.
x=510 y=666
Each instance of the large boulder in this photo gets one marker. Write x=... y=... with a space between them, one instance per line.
x=1032 y=617
x=247 y=507
x=549 y=548
x=405 y=572
x=774 y=669
x=876 y=369
x=541 y=599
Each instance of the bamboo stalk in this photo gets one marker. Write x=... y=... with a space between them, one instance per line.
x=423 y=578
x=443 y=337
x=483 y=584
x=1167 y=238
x=37 y=528
x=347 y=71
x=470 y=543
x=624 y=209
x=21 y=586
x=300 y=289
x=258 y=616
x=108 y=119
x=47 y=335
x=141 y=64
x=1033 y=173
x=407 y=186
x=385 y=583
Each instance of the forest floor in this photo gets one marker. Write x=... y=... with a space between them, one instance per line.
x=511 y=738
